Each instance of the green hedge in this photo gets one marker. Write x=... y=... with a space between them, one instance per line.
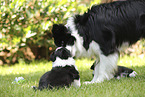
x=25 y=26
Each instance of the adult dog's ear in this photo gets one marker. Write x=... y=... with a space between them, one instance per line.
x=81 y=19
x=59 y=32
x=142 y=24
x=52 y=57
x=59 y=29
x=142 y=19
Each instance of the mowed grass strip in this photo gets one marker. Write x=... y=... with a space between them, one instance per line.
x=125 y=87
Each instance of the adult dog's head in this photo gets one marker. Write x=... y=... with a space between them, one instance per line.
x=68 y=36
x=78 y=36
x=62 y=36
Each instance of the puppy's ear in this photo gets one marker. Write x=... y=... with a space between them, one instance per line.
x=52 y=57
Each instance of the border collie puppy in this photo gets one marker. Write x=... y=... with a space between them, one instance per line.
x=121 y=72
x=63 y=73
x=102 y=32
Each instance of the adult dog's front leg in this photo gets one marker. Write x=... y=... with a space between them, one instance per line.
x=105 y=69
x=95 y=68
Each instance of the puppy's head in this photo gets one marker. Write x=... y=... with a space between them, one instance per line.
x=62 y=35
x=60 y=52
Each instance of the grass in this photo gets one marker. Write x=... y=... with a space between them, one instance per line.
x=125 y=87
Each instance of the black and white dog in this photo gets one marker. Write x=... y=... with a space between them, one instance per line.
x=102 y=32
x=63 y=73
x=121 y=72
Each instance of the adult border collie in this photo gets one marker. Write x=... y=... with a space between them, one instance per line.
x=102 y=32
x=63 y=73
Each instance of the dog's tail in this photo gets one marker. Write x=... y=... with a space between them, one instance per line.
x=34 y=88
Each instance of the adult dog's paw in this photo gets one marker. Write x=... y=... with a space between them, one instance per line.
x=88 y=82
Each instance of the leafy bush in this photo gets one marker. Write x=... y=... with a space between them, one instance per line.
x=135 y=50
x=25 y=28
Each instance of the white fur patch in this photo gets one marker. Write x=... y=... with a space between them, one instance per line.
x=133 y=74
x=118 y=77
x=78 y=49
x=62 y=63
x=58 y=48
x=71 y=24
x=76 y=83
x=105 y=70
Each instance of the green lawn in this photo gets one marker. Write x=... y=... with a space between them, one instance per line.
x=125 y=87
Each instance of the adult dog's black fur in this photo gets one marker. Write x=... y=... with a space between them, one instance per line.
x=63 y=72
x=103 y=31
